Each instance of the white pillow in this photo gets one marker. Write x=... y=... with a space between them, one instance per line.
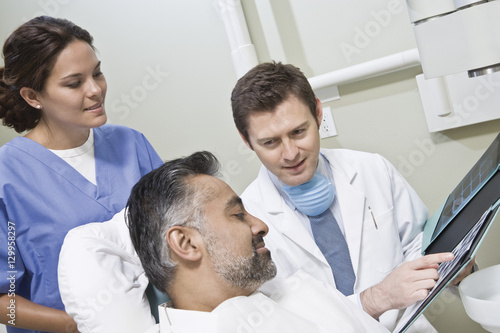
x=101 y=280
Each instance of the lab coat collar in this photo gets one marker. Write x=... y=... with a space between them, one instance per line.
x=273 y=204
x=351 y=202
x=286 y=221
x=340 y=169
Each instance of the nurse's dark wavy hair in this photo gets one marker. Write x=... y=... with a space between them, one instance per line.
x=161 y=199
x=264 y=88
x=30 y=53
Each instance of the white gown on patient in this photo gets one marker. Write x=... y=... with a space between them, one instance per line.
x=304 y=305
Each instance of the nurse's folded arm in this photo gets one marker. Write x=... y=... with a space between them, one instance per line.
x=409 y=283
x=33 y=316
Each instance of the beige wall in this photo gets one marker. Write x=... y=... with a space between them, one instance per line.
x=185 y=43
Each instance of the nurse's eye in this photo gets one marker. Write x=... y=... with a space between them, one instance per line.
x=98 y=74
x=73 y=85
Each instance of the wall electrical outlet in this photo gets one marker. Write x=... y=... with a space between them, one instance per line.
x=327 y=126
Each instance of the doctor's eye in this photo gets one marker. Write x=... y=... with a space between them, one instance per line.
x=269 y=142
x=298 y=131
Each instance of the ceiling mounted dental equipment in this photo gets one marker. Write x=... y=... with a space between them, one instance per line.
x=456 y=36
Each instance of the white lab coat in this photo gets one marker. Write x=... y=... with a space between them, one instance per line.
x=362 y=180
x=303 y=304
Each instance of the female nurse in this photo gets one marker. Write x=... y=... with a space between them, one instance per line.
x=69 y=168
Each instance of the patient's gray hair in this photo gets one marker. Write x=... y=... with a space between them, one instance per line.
x=161 y=199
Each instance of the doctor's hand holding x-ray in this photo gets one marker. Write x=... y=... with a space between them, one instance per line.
x=407 y=284
x=373 y=255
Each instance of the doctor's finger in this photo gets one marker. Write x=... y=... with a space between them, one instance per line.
x=425 y=274
x=426 y=284
x=419 y=295
x=431 y=260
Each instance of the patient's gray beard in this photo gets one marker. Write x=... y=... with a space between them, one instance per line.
x=243 y=272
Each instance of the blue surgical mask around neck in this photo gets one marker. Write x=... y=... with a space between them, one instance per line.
x=313 y=197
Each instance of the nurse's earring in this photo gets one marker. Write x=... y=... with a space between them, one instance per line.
x=31 y=97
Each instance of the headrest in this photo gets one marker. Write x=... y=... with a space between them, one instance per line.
x=101 y=280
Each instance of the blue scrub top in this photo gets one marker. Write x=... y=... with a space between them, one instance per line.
x=42 y=198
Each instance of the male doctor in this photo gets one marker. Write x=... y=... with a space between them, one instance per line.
x=346 y=217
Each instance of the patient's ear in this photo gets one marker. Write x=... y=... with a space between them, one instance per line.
x=185 y=243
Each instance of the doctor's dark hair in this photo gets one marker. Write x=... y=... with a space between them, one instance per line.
x=30 y=53
x=161 y=199
x=264 y=88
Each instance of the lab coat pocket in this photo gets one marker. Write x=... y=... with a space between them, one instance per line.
x=381 y=241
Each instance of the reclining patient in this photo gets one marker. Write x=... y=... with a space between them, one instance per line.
x=197 y=243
